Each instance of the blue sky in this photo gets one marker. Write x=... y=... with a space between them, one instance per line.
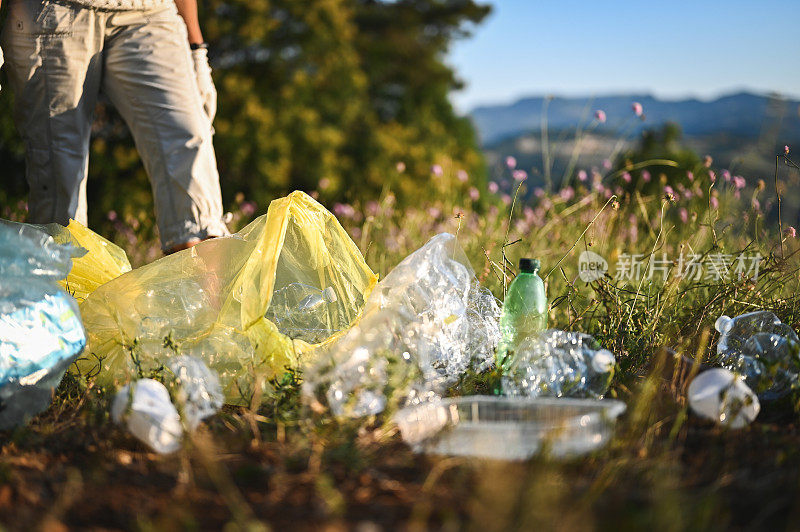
x=670 y=48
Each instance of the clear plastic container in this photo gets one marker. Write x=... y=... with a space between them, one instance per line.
x=508 y=428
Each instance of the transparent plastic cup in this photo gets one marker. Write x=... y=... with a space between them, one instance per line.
x=509 y=428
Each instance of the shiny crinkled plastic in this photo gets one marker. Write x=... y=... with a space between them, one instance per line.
x=199 y=393
x=213 y=301
x=763 y=349
x=41 y=332
x=423 y=326
x=97 y=261
x=723 y=397
x=560 y=364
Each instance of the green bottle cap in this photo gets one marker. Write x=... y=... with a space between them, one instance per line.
x=529 y=265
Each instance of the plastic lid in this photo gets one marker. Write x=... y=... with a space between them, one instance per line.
x=529 y=265
x=723 y=324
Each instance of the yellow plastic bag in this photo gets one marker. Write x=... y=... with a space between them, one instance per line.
x=103 y=262
x=210 y=301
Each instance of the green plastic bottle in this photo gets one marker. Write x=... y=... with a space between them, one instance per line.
x=524 y=311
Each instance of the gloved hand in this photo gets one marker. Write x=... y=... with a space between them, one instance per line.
x=208 y=93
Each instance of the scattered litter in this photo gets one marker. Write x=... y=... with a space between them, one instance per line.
x=145 y=408
x=723 y=397
x=211 y=301
x=560 y=364
x=41 y=332
x=764 y=350
x=422 y=327
x=199 y=392
x=524 y=312
x=508 y=428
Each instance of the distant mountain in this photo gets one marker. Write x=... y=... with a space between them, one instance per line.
x=741 y=131
x=741 y=115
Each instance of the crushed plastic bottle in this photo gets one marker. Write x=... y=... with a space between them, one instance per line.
x=560 y=364
x=41 y=332
x=763 y=349
x=303 y=312
x=145 y=408
x=723 y=397
x=199 y=390
x=423 y=327
x=524 y=311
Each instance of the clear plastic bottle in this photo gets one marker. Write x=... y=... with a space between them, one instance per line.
x=763 y=349
x=524 y=312
x=303 y=312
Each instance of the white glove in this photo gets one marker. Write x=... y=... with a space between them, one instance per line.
x=202 y=71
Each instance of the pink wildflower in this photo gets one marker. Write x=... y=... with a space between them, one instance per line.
x=519 y=175
x=726 y=175
x=606 y=164
x=538 y=192
x=684 y=215
x=600 y=116
x=714 y=202
x=567 y=193
x=434 y=212
x=637 y=108
x=511 y=162
x=786 y=152
x=248 y=208
x=756 y=204
x=582 y=175
x=344 y=210
x=626 y=177
x=668 y=191
x=324 y=183
x=690 y=175
x=506 y=199
x=646 y=176
x=474 y=195
x=437 y=170
x=712 y=176
x=401 y=166
x=493 y=187
x=790 y=232
x=739 y=181
x=112 y=215
x=462 y=176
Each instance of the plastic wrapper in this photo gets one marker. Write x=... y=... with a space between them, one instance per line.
x=40 y=327
x=560 y=364
x=213 y=300
x=199 y=392
x=723 y=397
x=764 y=350
x=144 y=407
x=423 y=326
x=101 y=261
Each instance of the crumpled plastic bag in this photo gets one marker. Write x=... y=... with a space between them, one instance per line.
x=763 y=349
x=41 y=332
x=101 y=262
x=212 y=300
x=560 y=364
x=422 y=328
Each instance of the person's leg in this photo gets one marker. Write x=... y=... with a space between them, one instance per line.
x=52 y=61
x=150 y=79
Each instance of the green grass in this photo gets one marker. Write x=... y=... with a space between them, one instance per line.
x=283 y=463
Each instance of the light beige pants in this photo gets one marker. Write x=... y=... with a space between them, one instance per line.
x=58 y=57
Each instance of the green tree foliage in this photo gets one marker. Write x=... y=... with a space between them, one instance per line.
x=310 y=91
